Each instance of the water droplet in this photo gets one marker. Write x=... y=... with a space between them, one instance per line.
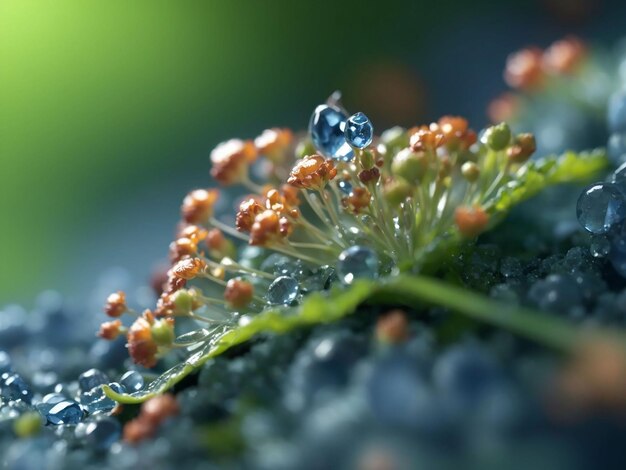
x=345 y=187
x=283 y=291
x=5 y=363
x=91 y=378
x=100 y=434
x=359 y=131
x=600 y=207
x=357 y=262
x=327 y=127
x=14 y=388
x=600 y=247
x=64 y=412
x=132 y=381
x=616 y=112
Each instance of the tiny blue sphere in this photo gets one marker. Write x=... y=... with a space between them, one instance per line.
x=616 y=148
x=327 y=126
x=91 y=378
x=100 y=434
x=359 y=131
x=283 y=291
x=5 y=362
x=345 y=187
x=600 y=207
x=64 y=412
x=14 y=388
x=357 y=262
x=132 y=381
x=616 y=114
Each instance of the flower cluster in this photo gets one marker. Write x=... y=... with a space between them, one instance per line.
x=532 y=70
x=352 y=205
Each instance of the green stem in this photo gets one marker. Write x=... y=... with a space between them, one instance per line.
x=533 y=325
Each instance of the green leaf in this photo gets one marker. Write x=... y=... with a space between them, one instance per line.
x=402 y=290
x=539 y=174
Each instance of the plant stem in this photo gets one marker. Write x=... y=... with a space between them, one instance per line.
x=533 y=325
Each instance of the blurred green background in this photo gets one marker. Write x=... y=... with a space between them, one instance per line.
x=108 y=109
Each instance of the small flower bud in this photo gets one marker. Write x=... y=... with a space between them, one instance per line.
x=370 y=176
x=471 y=221
x=188 y=268
x=238 y=293
x=156 y=410
x=116 y=304
x=524 y=70
x=470 y=171
x=396 y=191
x=231 y=159
x=395 y=138
x=110 y=330
x=358 y=200
x=410 y=165
x=198 y=205
x=312 y=172
x=523 y=147
x=219 y=246
x=393 y=327
x=163 y=331
x=498 y=137
x=184 y=301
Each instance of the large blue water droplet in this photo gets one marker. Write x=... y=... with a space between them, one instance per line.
x=616 y=112
x=359 y=131
x=327 y=126
x=91 y=378
x=132 y=381
x=14 y=388
x=64 y=412
x=283 y=291
x=100 y=434
x=616 y=148
x=357 y=262
x=600 y=207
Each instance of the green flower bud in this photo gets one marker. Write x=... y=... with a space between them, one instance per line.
x=498 y=137
x=163 y=332
x=470 y=171
x=183 y=302
x=304 y=148
x=396 y=137
x=410 y=165
x=28 y=424
x=396 y=191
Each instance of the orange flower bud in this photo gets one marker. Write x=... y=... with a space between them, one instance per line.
x=248 y=210
x=238 y=293
x=564 y=56
x=231 y=159
x=116 y=304
x=312 y=172
x=273 y=142
x=523 y=147
x=188 y=268
x=198 y=205
x=158 y=409
x=137 y=430
x=424 y=138
x=182 y=248
x=266 y=228
x=471 y=222
x=110 y=330
x=393 y=327
x=193 y=233
x=358 y=200
x=523 y=69
x=141 y=346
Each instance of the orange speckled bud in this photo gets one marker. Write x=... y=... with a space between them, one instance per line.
x=312 y=172
x=266 y=228
x=116 y=304
x=358 y=200
x=110 y=330
x=230 y=160
x=188 y=268
x=248 y=210
x=198 y=205
x=524 y=69
x=238 y=293
x=182 y=248
x=141 y=346
x=273 y=143
x=471 y=221
x=158 y=409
